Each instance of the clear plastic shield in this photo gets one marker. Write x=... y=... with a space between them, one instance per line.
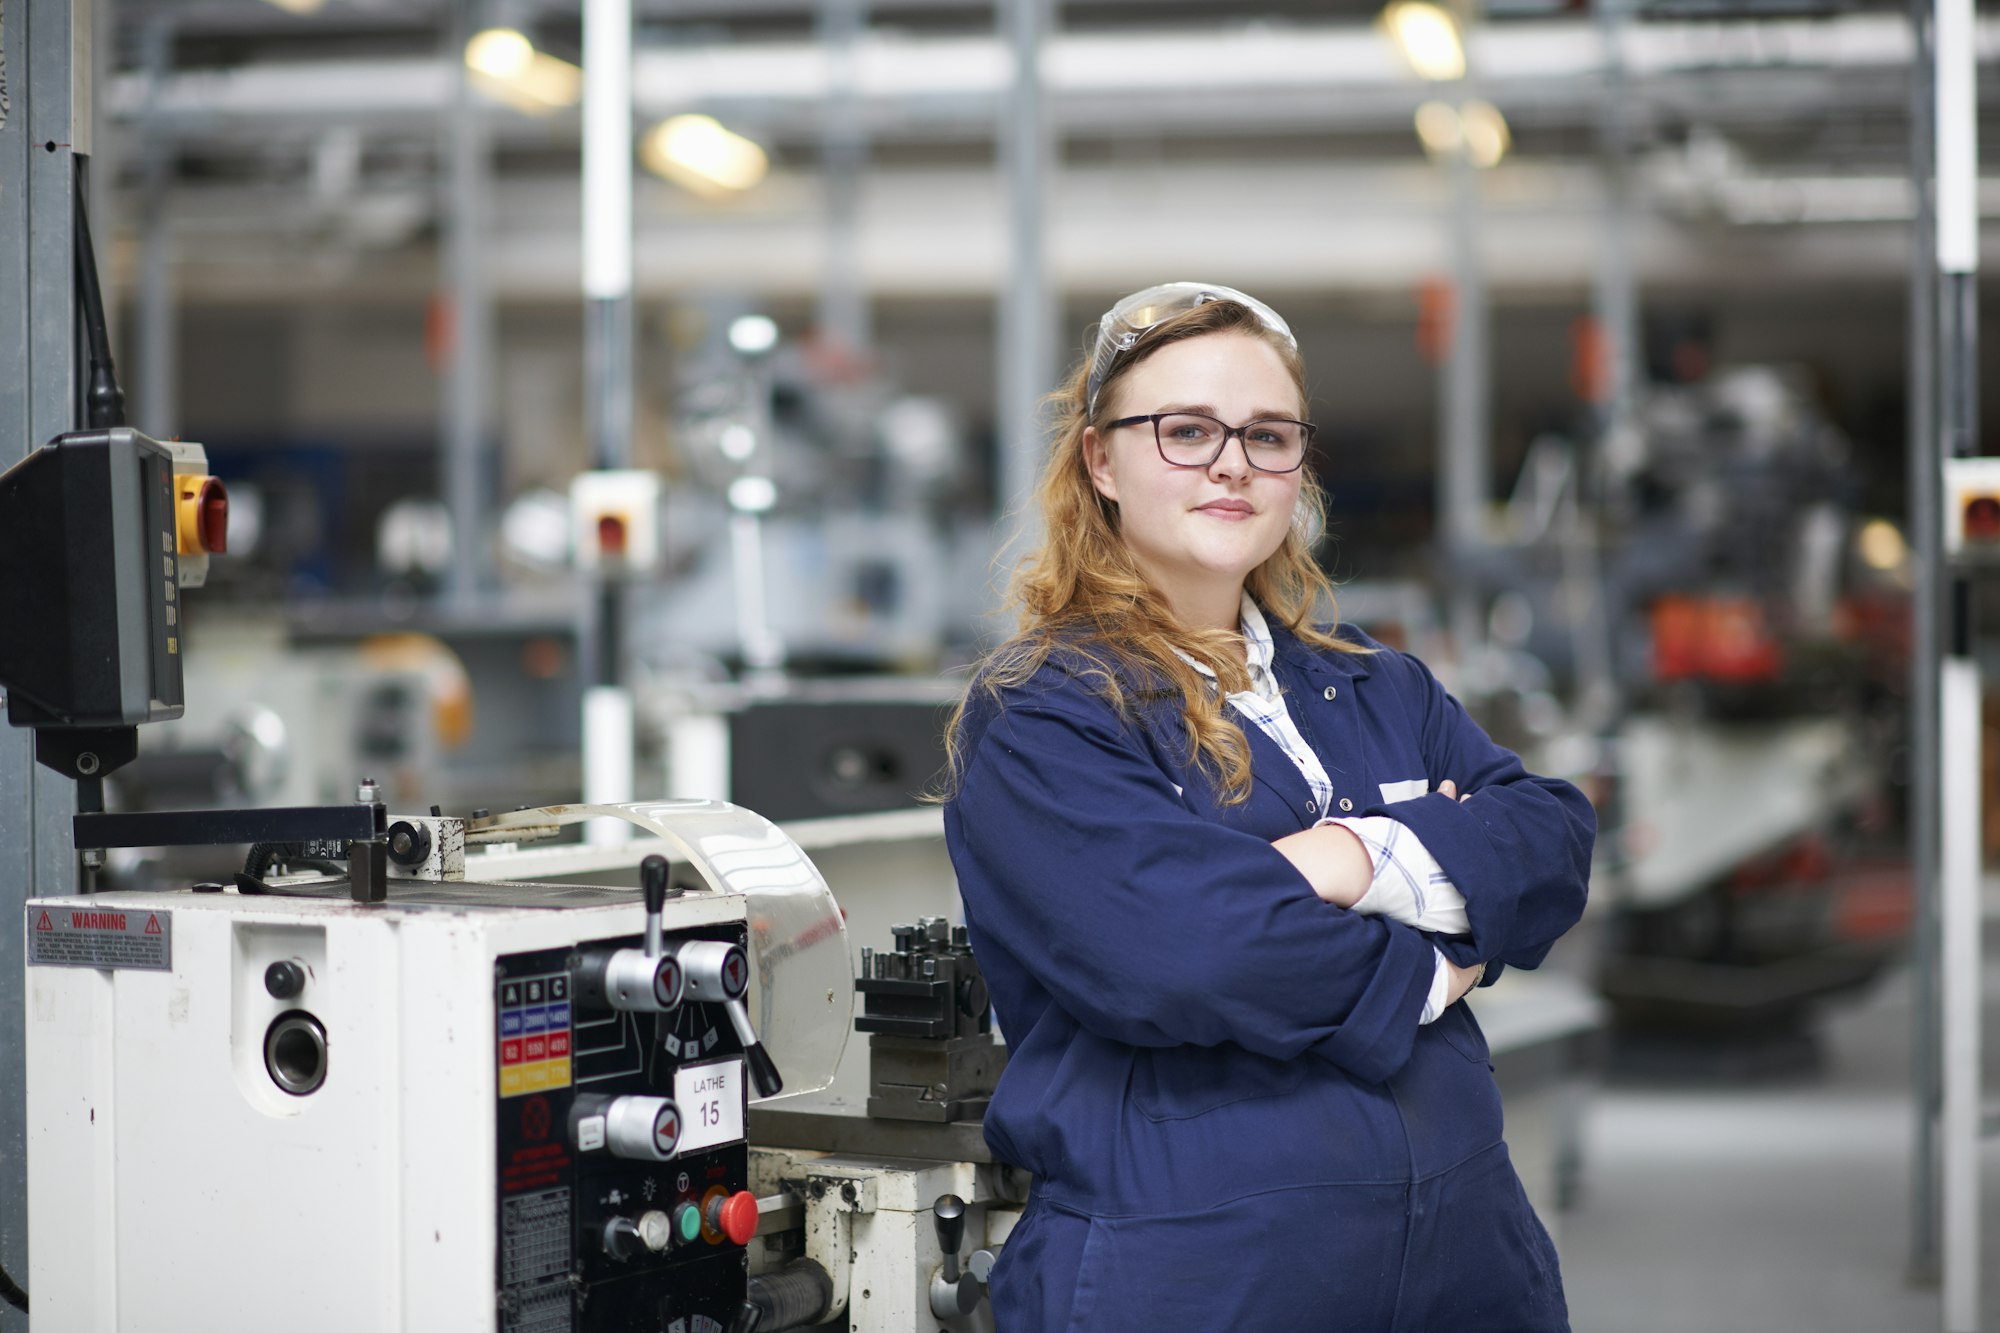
x=802 y=991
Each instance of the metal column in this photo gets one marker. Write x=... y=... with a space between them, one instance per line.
x=1615 y=299
x=608 y=383
x=1464 y=464
x=607 y=229
x=843 y=293
x=1464 y=467
x=1959 y=916
x=158 y=397
x=45 y=133
x=466 y=408
x=1027 y=367
x=1925 y=539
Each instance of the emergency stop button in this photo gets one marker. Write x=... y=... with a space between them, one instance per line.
x=736 y=1216
x=201 y=515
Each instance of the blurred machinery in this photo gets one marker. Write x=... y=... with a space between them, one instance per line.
x=819 y=517
x=1735 y=633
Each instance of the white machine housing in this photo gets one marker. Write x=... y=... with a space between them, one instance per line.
x=172 y=1185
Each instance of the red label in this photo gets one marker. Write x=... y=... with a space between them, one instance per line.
x=535 y=1048
x=510 y=1052
x=558 y=1045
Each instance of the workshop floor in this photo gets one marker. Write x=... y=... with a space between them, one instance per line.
x=1774 y=1208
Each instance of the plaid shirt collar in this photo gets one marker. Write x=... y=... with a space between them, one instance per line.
x=1264 y=702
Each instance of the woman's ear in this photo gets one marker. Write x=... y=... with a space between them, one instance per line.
x=1097 y=461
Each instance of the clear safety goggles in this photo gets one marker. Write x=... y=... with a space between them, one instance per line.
x=1122 y=326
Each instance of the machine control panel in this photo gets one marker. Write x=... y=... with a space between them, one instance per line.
x=623 y=1167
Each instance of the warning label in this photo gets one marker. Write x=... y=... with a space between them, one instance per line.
x=88 y=936
x=535 y=1260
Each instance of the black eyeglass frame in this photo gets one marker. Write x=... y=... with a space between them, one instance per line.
x=1229 y=432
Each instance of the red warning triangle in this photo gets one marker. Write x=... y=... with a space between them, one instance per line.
x=152 y=925
x=43 y=924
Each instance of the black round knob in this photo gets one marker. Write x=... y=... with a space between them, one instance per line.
x=285 y=979
x=622 y=1240
x=409 y=843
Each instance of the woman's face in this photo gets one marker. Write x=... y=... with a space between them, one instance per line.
x=1191 y=528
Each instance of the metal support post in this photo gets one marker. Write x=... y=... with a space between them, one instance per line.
x=1959 y=916
x=45 y=139
x=607 y=229
x=158 y=341
x=1615 y=299
x=608 y=385
x=1464 y=469
x=1925 y=474
x=1027 y=308
x=843 y=293
x=1463 y=466
x=466 y=409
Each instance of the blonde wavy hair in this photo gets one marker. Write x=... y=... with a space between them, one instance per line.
x=1081 y=593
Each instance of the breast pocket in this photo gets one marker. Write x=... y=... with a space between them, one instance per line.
x=1182 y=1082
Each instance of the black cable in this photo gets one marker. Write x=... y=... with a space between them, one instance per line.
x=105 y=401
x=12 y=1294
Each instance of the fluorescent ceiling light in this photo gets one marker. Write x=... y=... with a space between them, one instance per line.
x=1476 y=129
x=298 y=6
x=499 y=53
x=1437 y=127
x=1485 y=131
x=507 y=65
x=703 y=155
x=1428 y=37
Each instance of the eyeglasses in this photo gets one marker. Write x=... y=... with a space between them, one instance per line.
x=1190 y=439
x=1123 y=324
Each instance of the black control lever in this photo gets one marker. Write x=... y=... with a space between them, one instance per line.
x=648 y=980
x=653 y=883
x=949 y=1214
x=748 y=1316
x=954 y=1292
x=720 y=973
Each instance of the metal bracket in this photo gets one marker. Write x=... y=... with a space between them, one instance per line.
x=833 y=1198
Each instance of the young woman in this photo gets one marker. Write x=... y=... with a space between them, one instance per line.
x=1229 y=876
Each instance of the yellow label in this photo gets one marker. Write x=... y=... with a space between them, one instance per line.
x=535 y=1077
x=559 y=1072
x=173 y=645
x=511 y=1082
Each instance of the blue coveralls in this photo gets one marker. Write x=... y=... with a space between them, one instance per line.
x=1218 y=1081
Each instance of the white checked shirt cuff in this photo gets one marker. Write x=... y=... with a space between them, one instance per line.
x=1440 y=997
x=1408 y=885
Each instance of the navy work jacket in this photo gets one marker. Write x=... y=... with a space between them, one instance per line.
x=1203 y=1053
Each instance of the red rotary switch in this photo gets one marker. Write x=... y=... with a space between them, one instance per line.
x=736 y=1217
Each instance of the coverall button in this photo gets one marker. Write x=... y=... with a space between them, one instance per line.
x=1328 y=693
x=1346 y=804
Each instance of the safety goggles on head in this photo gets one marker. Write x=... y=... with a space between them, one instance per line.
x=1120 y=329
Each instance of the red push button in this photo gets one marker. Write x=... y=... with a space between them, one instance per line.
x=738 y=1217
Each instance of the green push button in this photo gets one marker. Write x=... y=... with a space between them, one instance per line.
x=687 y=1222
